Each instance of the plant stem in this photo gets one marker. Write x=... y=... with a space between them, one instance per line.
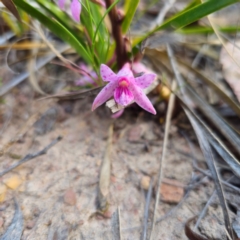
x=121 y=52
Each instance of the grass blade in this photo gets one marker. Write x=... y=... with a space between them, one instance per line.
x=189 y=16
x=164 y=151
x=116 y=225
x=219 y=146
x=195 y=13
x=57 y=28
x=234 y=105
x=130 y=9
x=215 y=118
x=208 y=154
x=146 y=212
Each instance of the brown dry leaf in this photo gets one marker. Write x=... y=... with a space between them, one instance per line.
x=231 y=71
x=171 y=192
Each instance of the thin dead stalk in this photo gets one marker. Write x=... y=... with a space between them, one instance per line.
x=165 y=142
x=146 y=212
x=116 y=225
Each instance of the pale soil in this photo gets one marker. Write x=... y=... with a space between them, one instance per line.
x=74 y=164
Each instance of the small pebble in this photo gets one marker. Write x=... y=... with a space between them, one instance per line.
x=70 y=197
x=30 y=224
x=170 y=193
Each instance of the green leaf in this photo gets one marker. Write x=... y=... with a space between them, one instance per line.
x=57 y=28
x=191 y=5
x=87 y=18
x=206 y=30
x=189 y=16
x=130 y=9
x=100 y=23
x=55 y=12
x=194 y=14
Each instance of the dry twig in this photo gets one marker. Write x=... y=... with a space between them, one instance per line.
x=164 y=151
x=146 y=212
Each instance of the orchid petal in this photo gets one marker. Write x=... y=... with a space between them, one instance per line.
x=142 y=100
x=61 y=4
x=123 y=96
x=107 y=74
x=104 y=94
x=145 y=80
x=76 y=10
x=125 y=71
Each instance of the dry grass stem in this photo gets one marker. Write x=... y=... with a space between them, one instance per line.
x=164 y=152
x=105 y=174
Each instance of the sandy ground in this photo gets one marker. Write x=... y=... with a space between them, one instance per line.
x=57 y=192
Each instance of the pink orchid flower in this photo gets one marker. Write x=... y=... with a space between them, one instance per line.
x=75 y=7
x=125 y=88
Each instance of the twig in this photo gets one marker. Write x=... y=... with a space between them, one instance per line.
x=116 y=225
x=31 y=156
x=121 y=52
x=146 y=211
x=165 y=142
